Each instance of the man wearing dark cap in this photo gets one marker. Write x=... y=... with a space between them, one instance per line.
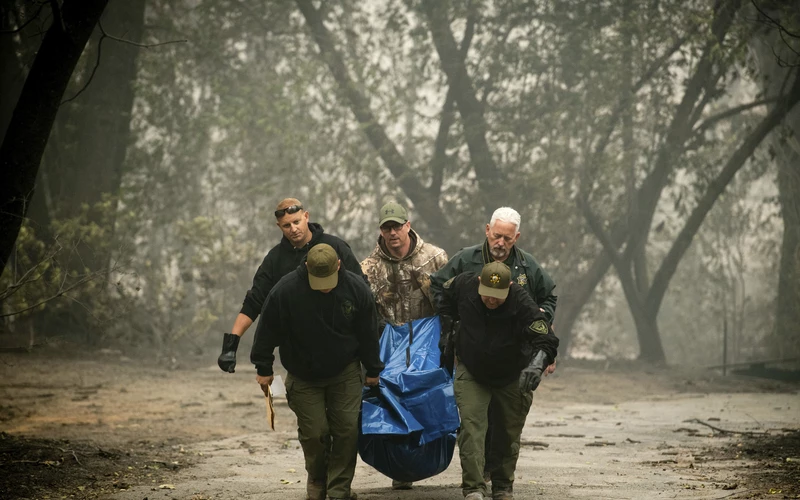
x=503 y=346
x=398 y=271
x=399 y=268
x=322 y=318
x=299 y=235
x=502 y=234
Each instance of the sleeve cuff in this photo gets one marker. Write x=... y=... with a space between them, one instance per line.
x=263 y=370
x=250 y=312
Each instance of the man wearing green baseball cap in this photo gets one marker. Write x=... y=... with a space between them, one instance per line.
x=502 y=233
x=398 y=270
x=503 y=347
x=322 y=318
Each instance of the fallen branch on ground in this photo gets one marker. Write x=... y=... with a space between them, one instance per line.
x=724 y=431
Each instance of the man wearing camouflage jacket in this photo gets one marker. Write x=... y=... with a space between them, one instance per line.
x=398 y=272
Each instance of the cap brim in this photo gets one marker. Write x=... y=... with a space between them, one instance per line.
x=399 y=220
x=325 y=283
x=497 y=293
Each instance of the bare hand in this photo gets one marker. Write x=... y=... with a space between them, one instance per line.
x=371 y=381
x=550 y=369
x=265 y=382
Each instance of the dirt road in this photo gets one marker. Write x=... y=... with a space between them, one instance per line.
x=122 y=428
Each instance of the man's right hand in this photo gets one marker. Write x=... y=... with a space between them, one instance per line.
x=265 y=382
x=227 y=360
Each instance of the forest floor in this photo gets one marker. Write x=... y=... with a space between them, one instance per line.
x=104 y=424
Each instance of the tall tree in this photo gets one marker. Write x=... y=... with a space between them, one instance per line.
x=35 y=111
x=777 y=50
x=701 y=89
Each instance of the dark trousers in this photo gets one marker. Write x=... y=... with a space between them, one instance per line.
x=327 y=426
x=473 y=399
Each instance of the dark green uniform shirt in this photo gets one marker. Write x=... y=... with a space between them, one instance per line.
x=525 y=272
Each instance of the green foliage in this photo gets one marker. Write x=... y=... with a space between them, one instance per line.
x=247 y=113
x=49 y=273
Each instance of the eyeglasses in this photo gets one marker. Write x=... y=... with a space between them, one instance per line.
x=389 y=227
x=288 y=210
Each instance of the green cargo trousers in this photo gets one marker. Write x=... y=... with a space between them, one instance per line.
x=511 y=409
x=327 y=426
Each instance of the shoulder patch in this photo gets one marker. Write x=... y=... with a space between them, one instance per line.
x=448 y=283
x=539 y=326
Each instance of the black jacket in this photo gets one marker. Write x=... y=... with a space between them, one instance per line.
x=496 y=344
x=318 y=333
x=284 y=258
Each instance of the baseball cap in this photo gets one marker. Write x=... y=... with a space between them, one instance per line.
x=495 y=280
x=392 y=211
x=322 y=264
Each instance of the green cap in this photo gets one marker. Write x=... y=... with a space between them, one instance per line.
x=394 y=212
x=323 y=266
x=495 y=280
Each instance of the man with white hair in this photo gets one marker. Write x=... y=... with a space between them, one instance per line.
x=503 y=347
x=502 y=233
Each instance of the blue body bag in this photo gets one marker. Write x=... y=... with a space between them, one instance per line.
x=409 y=422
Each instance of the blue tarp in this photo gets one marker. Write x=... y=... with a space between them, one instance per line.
x=408 y=423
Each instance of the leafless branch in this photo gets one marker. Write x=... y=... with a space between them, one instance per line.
x=91 y=75
x=36 y=273
x=625 y=102
x=103 y=36
x=723 y=431
x=773 y=22
x=783 y=32
x=23 y=25
x=137 y=44
x=59 y=293
x=712 y=120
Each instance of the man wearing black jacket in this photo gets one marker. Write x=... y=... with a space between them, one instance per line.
x=323 y=320
x=299 y=235
x=502 y=348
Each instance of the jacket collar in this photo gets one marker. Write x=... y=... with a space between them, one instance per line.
x=416 y=244
x=513 y=256
x=316 y=234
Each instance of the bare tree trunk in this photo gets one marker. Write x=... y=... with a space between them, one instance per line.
x=700 y=83
x=29 y=129
x=359 y=104
x=104 y=116
x=787 y=319
x=12 y=71
x=471 y=111
x=713 y=192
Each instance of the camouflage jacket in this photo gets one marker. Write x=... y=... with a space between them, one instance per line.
x=402 y=286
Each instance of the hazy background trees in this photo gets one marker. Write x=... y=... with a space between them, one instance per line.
x=648 y=145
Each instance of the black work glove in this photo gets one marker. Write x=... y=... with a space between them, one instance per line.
x=531 y=375
x=447 y=343
x=227 y=360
